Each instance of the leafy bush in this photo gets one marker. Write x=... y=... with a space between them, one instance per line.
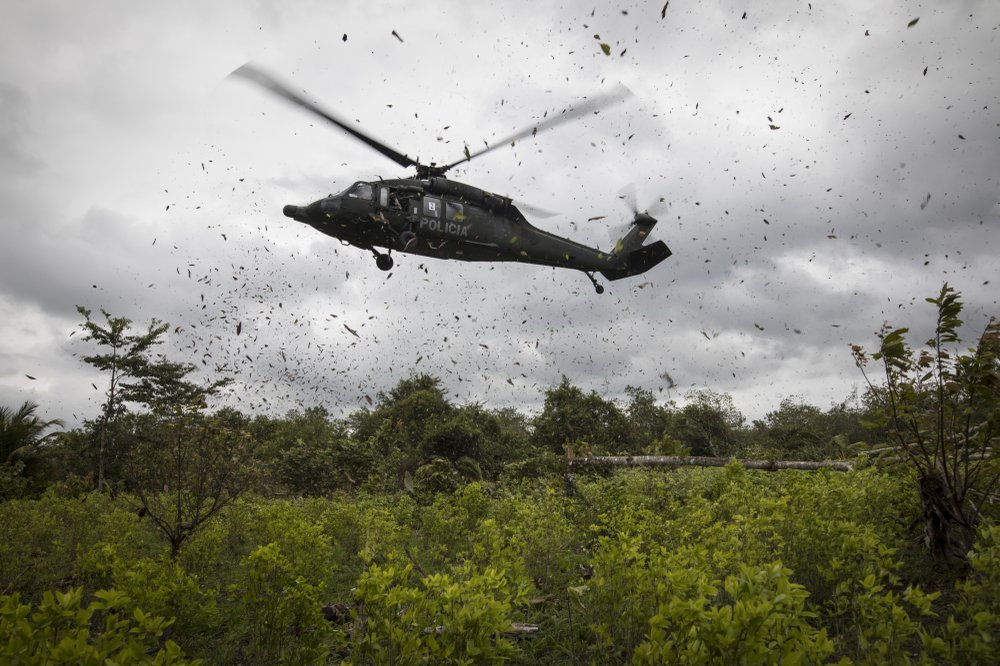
x=57 y=541
x=678 y=565
x=283 y=611
x=455 y=618
x=62 y=631
x=162 y=587
x=762 y=620
x=541 y=527
x=971 y=634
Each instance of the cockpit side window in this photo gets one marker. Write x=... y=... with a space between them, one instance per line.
x=454 y=211
x=360 y=191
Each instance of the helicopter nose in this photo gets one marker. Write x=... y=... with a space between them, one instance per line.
x=317 y=211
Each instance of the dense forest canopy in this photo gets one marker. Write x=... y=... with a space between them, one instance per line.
x=415 y=425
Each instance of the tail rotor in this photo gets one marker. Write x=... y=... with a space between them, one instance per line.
x=628 y=196
x=630 y=255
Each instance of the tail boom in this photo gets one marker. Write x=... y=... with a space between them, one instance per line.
x=638 y=261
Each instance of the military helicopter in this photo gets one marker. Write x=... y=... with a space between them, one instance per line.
x=433 y=216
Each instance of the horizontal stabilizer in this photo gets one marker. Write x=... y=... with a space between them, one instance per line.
x=636 y=235
x=639 y=261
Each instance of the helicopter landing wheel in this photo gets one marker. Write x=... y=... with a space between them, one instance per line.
x=407 y=239
x=384 y=262
x=597 y=287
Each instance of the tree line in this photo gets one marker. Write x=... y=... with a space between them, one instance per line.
x=414 y=436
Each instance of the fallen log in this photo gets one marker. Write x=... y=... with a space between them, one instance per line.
x=705 y=461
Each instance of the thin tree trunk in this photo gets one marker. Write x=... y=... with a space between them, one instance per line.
x=950 y=534
x=100 y=457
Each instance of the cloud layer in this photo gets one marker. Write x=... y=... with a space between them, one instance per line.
x=824 y=168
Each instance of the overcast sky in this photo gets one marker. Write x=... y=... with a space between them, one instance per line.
x=825 y=166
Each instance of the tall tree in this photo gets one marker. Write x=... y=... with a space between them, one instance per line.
x=309 y=453
x=396 y=431
x=942 y=408
x=794 y=430
x=571 y=416
x=133 y=375
x=709 y=424
x=648 y=422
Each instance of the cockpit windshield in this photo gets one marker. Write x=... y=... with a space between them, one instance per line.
x=359 y=191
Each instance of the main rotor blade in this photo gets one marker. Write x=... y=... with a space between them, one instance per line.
x=533 y=211
x=619 y=94
x=268 y=82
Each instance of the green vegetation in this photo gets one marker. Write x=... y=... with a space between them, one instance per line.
x=23 y=466
x=942 y=407
x=420 y=531
x=692 y=566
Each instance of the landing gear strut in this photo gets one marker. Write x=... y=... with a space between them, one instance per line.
x=407 y=239
x=597 y=287
x=383 y=261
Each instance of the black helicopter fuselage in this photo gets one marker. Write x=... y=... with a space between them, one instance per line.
x=446 y=219
x=432 y=216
